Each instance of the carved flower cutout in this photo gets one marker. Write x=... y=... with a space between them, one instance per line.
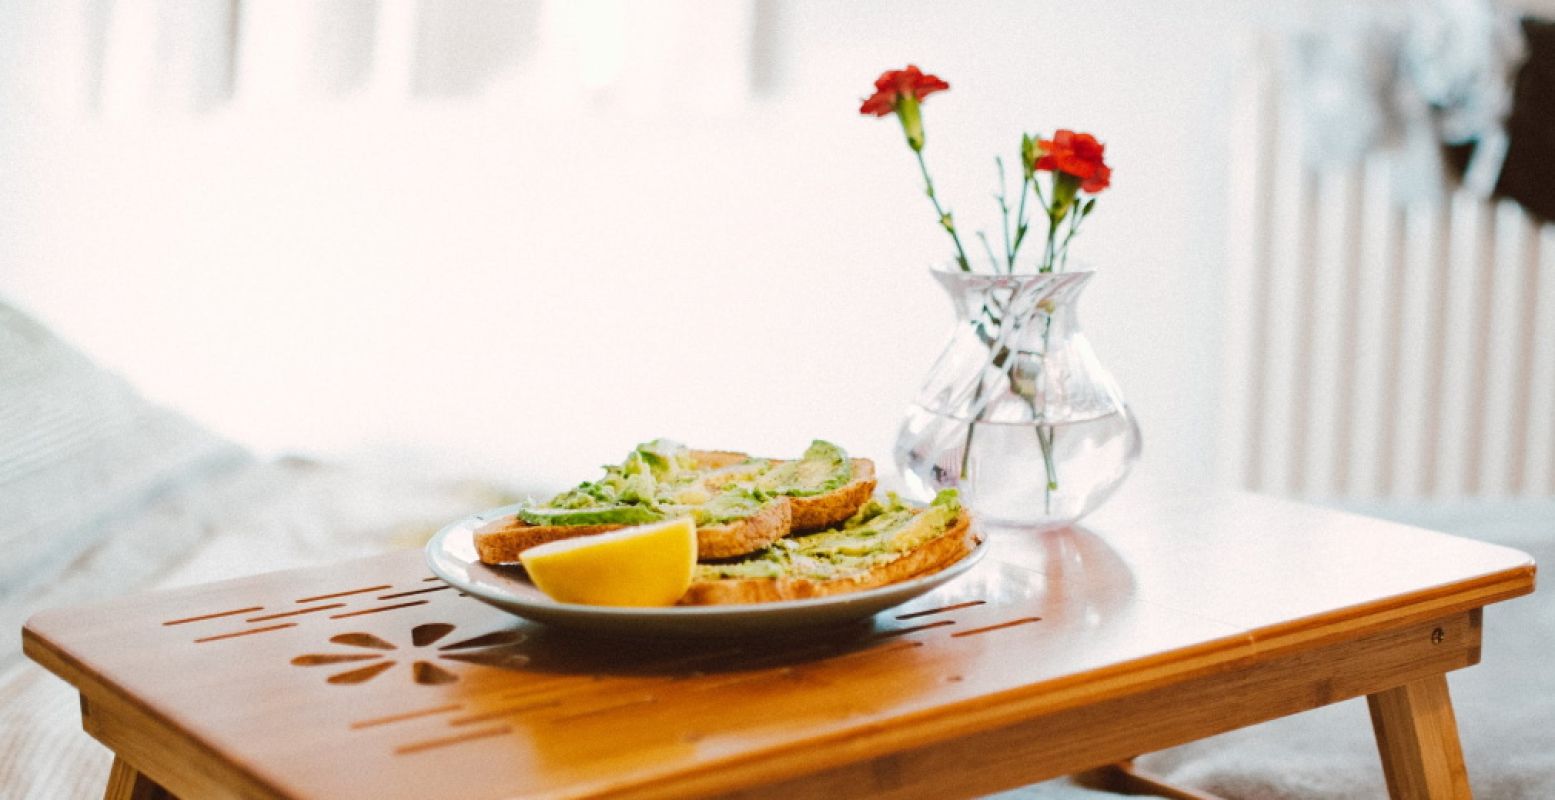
x=496 y=649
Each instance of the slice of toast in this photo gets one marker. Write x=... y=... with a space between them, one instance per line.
x=949 y=547
x=745 y=536
x=811 y=513
x=825 y=510
x=500 y=541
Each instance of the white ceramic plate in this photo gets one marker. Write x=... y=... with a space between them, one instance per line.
x=451 y=555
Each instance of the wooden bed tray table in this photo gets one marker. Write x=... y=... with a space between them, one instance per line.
x=1167 y=617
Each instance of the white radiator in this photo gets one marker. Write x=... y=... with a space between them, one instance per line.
x=1377 y=350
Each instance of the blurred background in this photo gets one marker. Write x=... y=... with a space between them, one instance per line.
x=520 y=236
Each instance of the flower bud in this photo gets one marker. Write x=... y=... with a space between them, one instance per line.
x=1030 y=151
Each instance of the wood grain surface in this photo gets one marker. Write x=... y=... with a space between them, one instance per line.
x=1170 y=616
x=1417 y=736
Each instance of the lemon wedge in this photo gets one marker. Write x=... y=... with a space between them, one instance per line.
x=646 y=565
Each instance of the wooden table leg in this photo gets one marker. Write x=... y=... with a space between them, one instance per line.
x=1125 y=778
x=1418 y=739
x=126 y=783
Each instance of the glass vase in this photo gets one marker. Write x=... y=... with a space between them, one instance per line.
x=1017 y=411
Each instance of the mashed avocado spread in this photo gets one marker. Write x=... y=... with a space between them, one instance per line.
x=731 y=504
x=645 y=487
x=660 y=479
x=823 y=467
x=604 y=515
x=877 y=534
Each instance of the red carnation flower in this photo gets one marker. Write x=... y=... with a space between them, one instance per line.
x=1077 y=154
x=893 y=85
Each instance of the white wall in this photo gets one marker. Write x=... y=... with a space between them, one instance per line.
x=529 y=283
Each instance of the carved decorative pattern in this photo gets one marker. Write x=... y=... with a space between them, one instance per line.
x=344 y=603
x=493 y=649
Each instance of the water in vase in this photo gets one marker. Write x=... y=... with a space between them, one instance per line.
x=1003 y=482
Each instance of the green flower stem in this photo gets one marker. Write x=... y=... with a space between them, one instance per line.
x=1045 y=438
x=1036 y=188
x=1020 y=224
x=945 y=220
x=1004 y=217
x=1045 y=432
x=1048 y=251
x=1063 y=250
x=988 y=248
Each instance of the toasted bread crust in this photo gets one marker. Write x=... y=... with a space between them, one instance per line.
x=825 y=510
x=934 y=555
x=716 y=459
x=501 y=540
x=745 y=536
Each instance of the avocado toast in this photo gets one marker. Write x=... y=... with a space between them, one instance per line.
x=740 y=504
x=882 y=543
